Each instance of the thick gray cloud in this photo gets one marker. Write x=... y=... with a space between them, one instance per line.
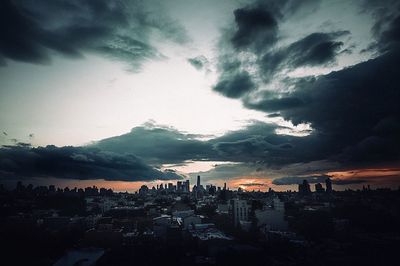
x=273 y=102
x=354 y=112
x=258 y=142
x=235 y=86
x=256 y=28
x=253 y=46
x=386 y=28
x=31 y=31
x=158 y=145
x=257 y=24
x=315 y=49
x=255 y=147
x=23 y=161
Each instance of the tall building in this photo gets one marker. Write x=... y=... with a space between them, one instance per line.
x=328 y=184
x=319 y=188
x=278 y=204
x=143 y=190
x=304 y=188
x=186 y=186
x=179 y=186
x=198 y=181
x=272 y=218
x=239 y=209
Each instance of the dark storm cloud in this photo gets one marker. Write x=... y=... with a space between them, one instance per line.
x=256 y=32
x=23 y=161
x=257 y=24
x=390 y=38
x=315 y=49
x=295 y=180
x=157 y=144
x=386 y=27
x=354 y=112
x=358 y=106
x=119 y=30
x=256 y=28
x=235 y=86
x=271 y=103
x=259 y=143
x=256 y=143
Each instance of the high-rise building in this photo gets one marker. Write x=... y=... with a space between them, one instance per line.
x=143 y=190
x=328 y=184
x=179 y=186
x=186 y=186
x=319 y=188
x=304 y=188
x=239 y=209
x=198 y=181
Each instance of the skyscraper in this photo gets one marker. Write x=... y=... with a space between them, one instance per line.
x=198 y=181
x=187 y=186
x=319 y=188
x=304 y=188
x=328 y=184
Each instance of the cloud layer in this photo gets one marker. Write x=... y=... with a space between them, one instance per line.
x=23 y=161
x=354 y=112
x=120 y=30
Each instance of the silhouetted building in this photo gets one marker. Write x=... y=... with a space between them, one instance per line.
x=186 y=187
x=179 y=186
x=319 y=188
x=198 y=181
x=304 y=188
x=328 y=184
x=143 y=190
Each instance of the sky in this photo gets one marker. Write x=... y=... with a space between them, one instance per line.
x=257 y=94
